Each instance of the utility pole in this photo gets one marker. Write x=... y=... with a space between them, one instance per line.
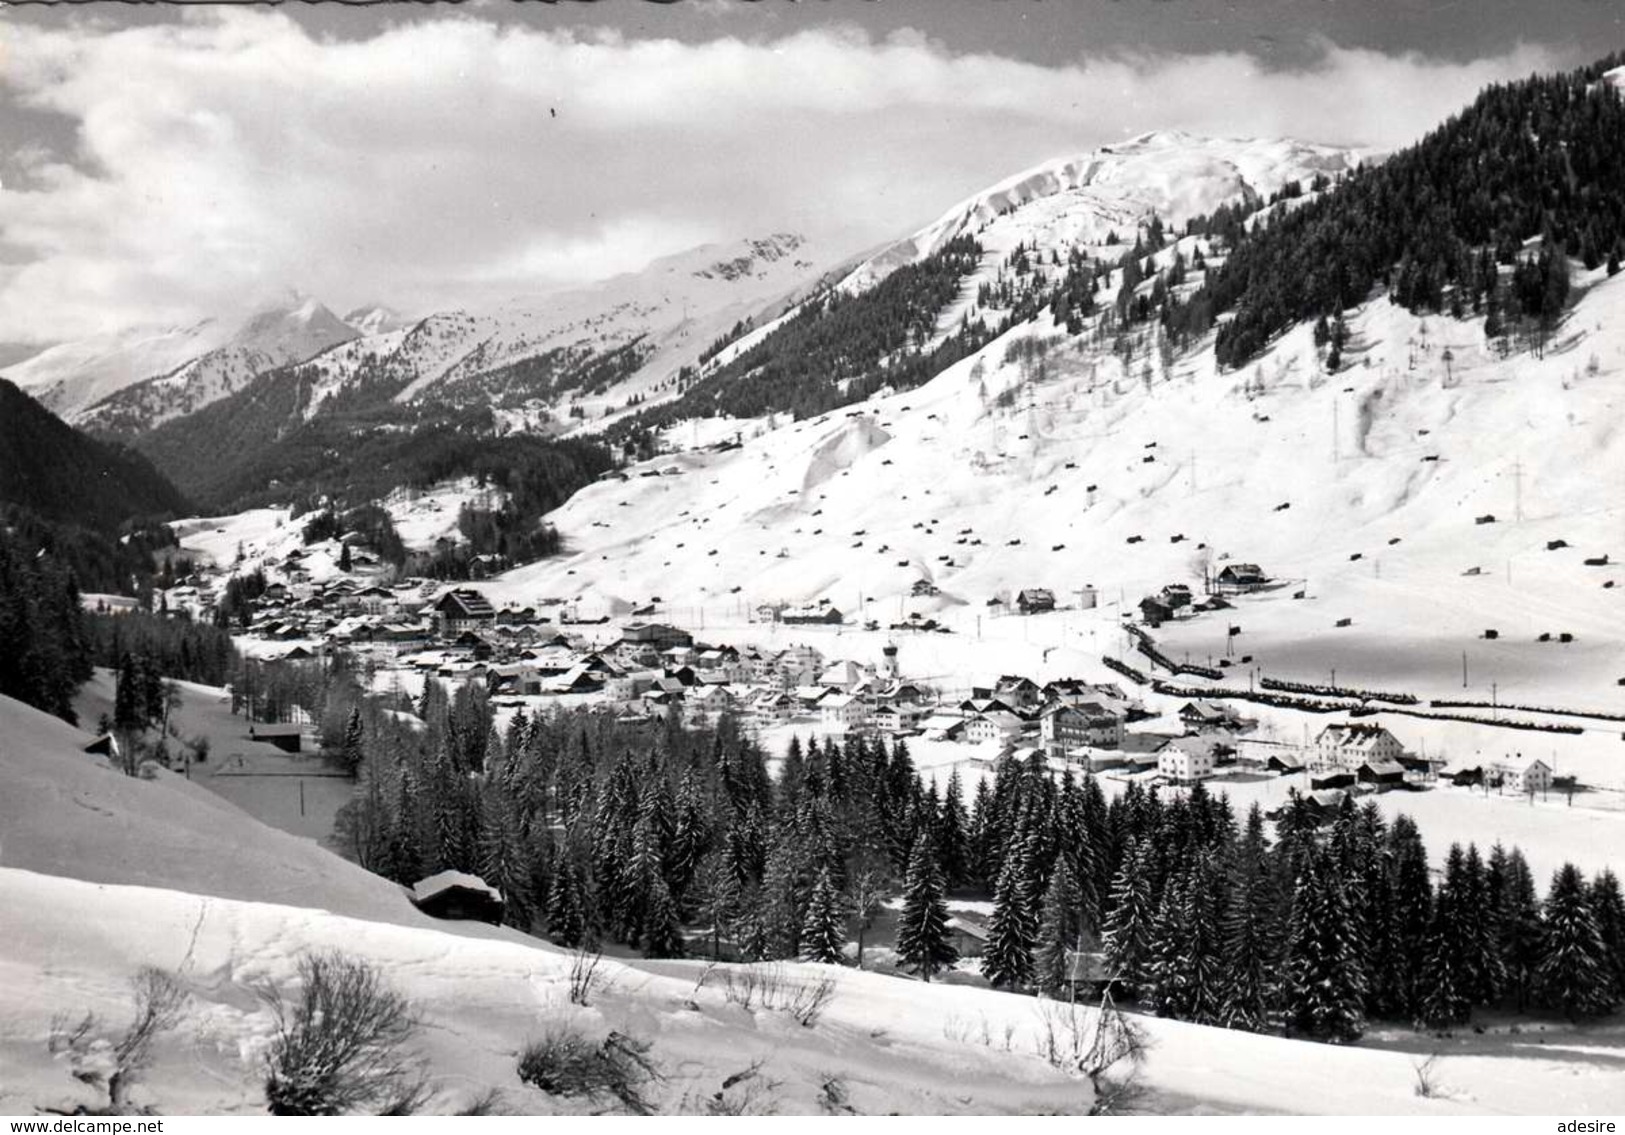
x=1517 y=491
x=1464 y=669
x=1495 y=709
x=1334 y=430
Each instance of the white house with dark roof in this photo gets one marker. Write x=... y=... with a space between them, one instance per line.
x=1350 y=744
x=1524 y=775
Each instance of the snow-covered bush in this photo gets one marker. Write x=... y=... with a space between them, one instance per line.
x=340 y=1047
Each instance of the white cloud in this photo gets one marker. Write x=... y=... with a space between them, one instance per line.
x=452 y=158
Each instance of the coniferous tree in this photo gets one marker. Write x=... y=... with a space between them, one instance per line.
x=1573 y=975
x=1520 y=932
x=1249 y=994
x=1062 y=932
x=1007 y=960
x=350 y=751
x=1324 y=991
x=1608 y=908
x=568 y=918
x=1485 y=976
x=923 y=943
x=1399 y=986
x=1446 y=981
x=823 y=935
x=662 y=931
x=953 y=834
x=1129 y=924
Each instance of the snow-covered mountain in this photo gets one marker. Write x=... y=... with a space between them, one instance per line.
x=375 y=319
x=134 y=379
x=68 y=378
x=1083 y=199
x=273 y=337
x=1094 y=201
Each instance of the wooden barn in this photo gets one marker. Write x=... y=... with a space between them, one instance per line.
x=458 y=895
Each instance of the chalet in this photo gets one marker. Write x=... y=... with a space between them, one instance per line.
x=1016 y=690
x=1185 y=760
x=1331 y=778
x=659 y=636
x=969 y=936
x=1154 y=612
x=773 y=705
x=474 y=644
x=288 y=738
x=923 y=589
x=1268 y=756
x=1241 y=577
x=1208 y=715
x=462 y=609
x=1382 y=775
x=895 y=718
x=944 y=726
x=376 y=600
x=842 y=676
x=577 y=680
x=1176 y=595
x=458 y=895
x=812 y=613
x=714 y=701
x=1524 y=776
x=1065 y=727
x=981 y=701
x=808 y=696
x=1034 y=600
x=799 y=659
x=1087 y=972
x=632 y=684
x=1350 y=744
x=840 y=712
x=900 y=693
x=993 y=725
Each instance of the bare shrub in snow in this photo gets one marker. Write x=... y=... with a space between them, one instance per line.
x=566 y=1062
x=833 y=1097
x=1427 y=1084
x=746 y=1092
x=118 y=1064
x=770 y=986
x=585 y=979
x=340 y=1047
x=1117 y=1042
x=1064 y=1037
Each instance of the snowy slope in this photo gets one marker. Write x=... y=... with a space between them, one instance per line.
x=63 y=812
x=1390 y=461
x=115 y=873
x=896 y=1046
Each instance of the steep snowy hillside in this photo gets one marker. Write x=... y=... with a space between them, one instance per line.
x=1050 y=460
x=265 y=341
x=1082 y=200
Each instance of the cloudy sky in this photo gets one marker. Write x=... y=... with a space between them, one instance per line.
x=161 y=164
